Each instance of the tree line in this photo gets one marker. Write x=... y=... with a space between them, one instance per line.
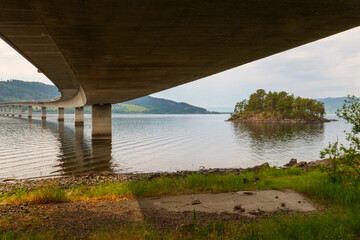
x=282 y=102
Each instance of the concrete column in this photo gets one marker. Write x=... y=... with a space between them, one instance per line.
x=20 y=111
x=101 y=122
x=60 y=114
x=13 y=111
x=43 y=112
x=79 y=116
x=29 y=111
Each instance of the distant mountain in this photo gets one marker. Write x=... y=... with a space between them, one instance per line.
x=157 y=106
x=332 y=104
x=17 y=90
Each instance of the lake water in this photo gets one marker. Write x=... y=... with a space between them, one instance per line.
x=148 y=143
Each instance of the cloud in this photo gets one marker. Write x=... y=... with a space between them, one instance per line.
x=15 y=66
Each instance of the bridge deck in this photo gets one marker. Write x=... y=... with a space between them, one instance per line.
x=100 y=52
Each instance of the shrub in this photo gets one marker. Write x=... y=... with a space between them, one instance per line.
x=345 y=160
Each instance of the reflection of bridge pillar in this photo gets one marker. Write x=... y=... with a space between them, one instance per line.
x=60 y=114
x=79 y=116
x=79 y=141
x=7 y=108
x=61 y=129
x=43 y=123
x=29 y=111
x=20 y=111
x=1 y=110
x=43 y=112
x=101 y=155
x=101 y=121
x=13 y=111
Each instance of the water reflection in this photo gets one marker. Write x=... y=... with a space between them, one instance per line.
x=148 y=143
x=80 y=155
x=275 y=132
x=43 y=123
x=274 y=141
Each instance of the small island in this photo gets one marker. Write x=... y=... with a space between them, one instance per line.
x=278 y=107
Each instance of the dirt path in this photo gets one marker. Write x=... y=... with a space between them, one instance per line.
x=170 y=212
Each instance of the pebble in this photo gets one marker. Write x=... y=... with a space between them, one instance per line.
x=239 y=208
x=248 y=193
x=195 y=202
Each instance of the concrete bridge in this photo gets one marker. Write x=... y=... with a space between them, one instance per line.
x=102 y=52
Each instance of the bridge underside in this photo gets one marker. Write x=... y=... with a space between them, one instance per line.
x=100 y=52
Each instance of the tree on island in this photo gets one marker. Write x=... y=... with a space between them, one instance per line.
x=278 y=106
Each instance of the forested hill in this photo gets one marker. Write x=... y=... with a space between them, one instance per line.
x=16 y=90
x=159 y=105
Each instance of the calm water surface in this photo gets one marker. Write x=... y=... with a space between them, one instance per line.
x=148 y=143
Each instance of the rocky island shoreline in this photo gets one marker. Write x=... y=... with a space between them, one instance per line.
x=279 y=107
x=263 y=120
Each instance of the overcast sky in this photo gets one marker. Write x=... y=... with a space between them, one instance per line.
x=326 y=68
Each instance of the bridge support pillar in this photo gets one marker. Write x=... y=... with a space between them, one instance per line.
x=29 y=111
x=20 y=111
x=101 y=122
x=79 y=116
x=13 y=111
x=60 y=114
x=43 y=113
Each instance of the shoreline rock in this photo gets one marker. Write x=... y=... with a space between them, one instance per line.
x=283 y=120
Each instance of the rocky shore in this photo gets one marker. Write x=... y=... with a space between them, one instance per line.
x=283 y=120
x=94 y=178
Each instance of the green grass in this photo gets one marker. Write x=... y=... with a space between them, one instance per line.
x=313 y=183
x=326 y=226
x=341 y=221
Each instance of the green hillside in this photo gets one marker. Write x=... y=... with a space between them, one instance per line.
x=16 y=90
x=161 y=106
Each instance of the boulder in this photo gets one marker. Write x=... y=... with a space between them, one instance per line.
x=301 y=164
x=292 y=163
x=239 y=208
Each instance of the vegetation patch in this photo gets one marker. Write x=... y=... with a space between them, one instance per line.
x=340 y=221
x=278 y=106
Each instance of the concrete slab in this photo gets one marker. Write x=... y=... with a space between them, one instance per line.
x=254 y=202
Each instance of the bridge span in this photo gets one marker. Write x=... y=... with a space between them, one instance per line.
x=102 y=52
